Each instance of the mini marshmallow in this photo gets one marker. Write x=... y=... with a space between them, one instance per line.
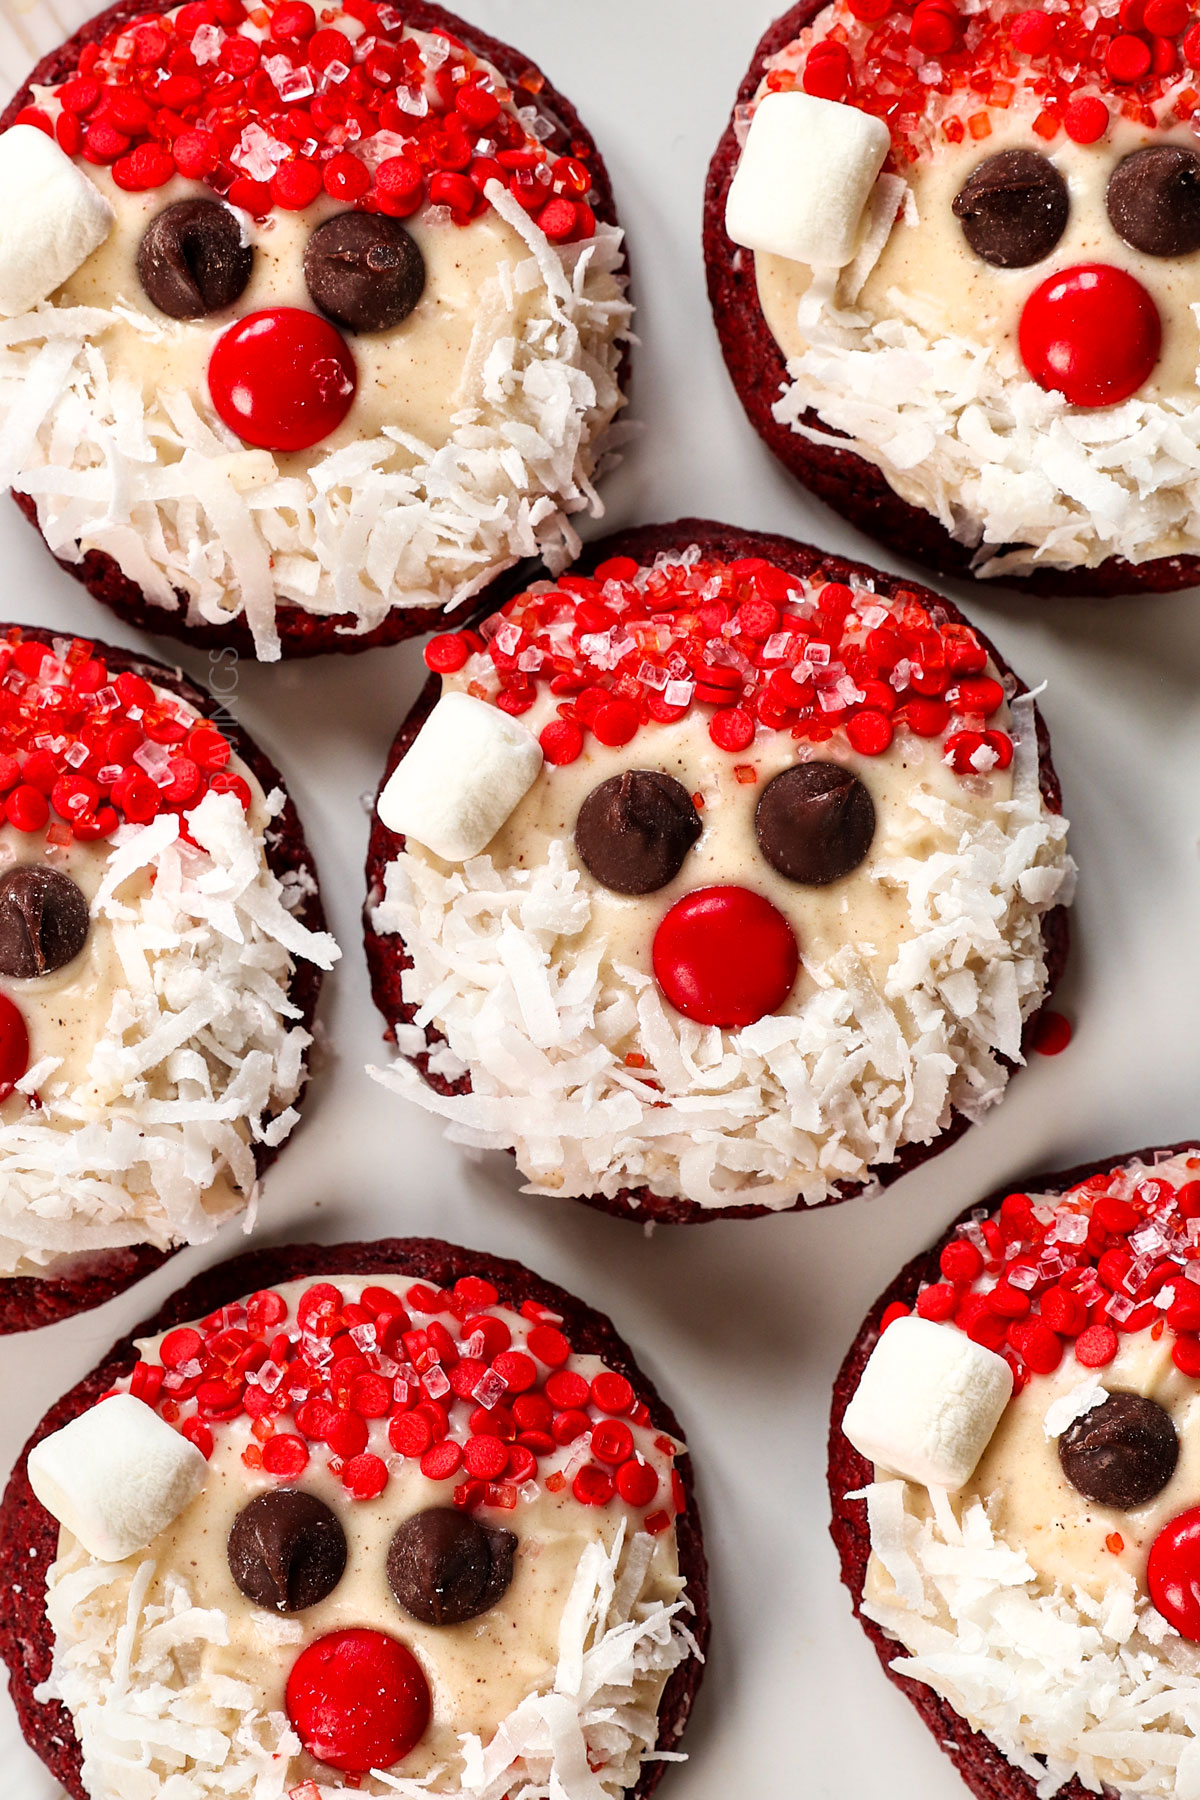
x=116 y=1476
x=52 y=219
x=928 y=1403
x=804 y=179
x=469 y=766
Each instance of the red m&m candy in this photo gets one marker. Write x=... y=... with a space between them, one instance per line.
x=1091 y=333
x=358 y=1700
x=1173 y=1573
x=282 y=378
x=725 y=956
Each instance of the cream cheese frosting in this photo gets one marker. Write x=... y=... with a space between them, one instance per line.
x=911 y=350
x=564 y=1670
x=475 y=433
x=917 y=971
x=1025 y=1604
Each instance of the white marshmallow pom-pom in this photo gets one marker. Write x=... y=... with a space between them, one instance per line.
x=804 y=179
x=469 y=766
x=52 y=219
x=928 y=1402
x=116 y=1476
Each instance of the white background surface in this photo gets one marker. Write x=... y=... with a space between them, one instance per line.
x=742 y=1324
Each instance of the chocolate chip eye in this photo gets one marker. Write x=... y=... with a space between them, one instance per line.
x=634 y=830
x=192 y=261
x=43 y=921
x=286 y=1550
x=1122 y=1453
x=1013 y=208
x=1153 y=200
x=364 y=270
x=815 y=822
x=444 y=1567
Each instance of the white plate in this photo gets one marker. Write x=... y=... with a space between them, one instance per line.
x=743 y=1325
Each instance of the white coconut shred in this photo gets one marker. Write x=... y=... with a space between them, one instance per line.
x=789 y=1107
x=153 y=1724
x=1009 y=469
x=1064 y=1685
x=198 y=1061
x=197 y=518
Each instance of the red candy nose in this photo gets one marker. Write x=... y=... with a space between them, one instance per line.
x=1173 y=1573
x=282 y=379
x=1091 y=333
x=14 y=1045
x=725 y=956
x=358 y=1700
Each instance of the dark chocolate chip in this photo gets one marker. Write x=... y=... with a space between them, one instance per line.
x=286 y=1550
x=1013 y=208
x=634 y=830
x=192 y=261
x=43 y=921
x=1121 y=1453
x=364 y=270
x=444 y=1567
x=1153 y=200
x=815 y=822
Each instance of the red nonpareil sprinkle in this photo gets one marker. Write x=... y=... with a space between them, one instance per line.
x=548 y=1345
x=443 y=1460
x=593 y=1486
x=285 y=1456
x=1096 y=1346
x=897 y=1310
x=1046 y=62
x=611 y=1393
x=637 y=1484
x=364 y=1477
x=761 y=648
x=153 y=95
x=1052 y=1034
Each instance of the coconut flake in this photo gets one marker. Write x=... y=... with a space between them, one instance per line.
x=199 y=1055
x=187 y=509
x=795 y=1104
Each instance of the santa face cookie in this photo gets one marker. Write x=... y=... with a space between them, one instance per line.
x=961 y=242
x=1027 y=1558
x=160 y=950
x=727 y=880
x=368 y=1533
x=328 y=325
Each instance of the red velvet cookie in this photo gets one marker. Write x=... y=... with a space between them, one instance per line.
x=1075 y=1297
x=994 y=366
x=148 y=845
x=525 y=1461
x=343 y=298
x=685 y=834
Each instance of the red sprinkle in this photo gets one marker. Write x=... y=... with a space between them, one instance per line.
x=1052 y=1034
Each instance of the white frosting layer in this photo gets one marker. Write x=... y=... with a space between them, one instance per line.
x=191 y=1056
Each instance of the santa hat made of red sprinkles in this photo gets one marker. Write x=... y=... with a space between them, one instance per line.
x=747 y=646
x=274 y=105
x=1039 y=1282
x=83 y=752
x=482 y=1410
x=938 y=71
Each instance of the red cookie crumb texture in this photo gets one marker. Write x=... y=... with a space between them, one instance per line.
x=986 y=1772
x=27 y=1301
x=387 y=957
x=29 y=1536
x=848 y=483
x=303 y=633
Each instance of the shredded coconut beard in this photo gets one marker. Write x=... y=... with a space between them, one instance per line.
x=196 y=517
x=1064 y=1686
x=154 y=1725
x=793 y=1106
x=1016 y=473
x=197 y=1063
